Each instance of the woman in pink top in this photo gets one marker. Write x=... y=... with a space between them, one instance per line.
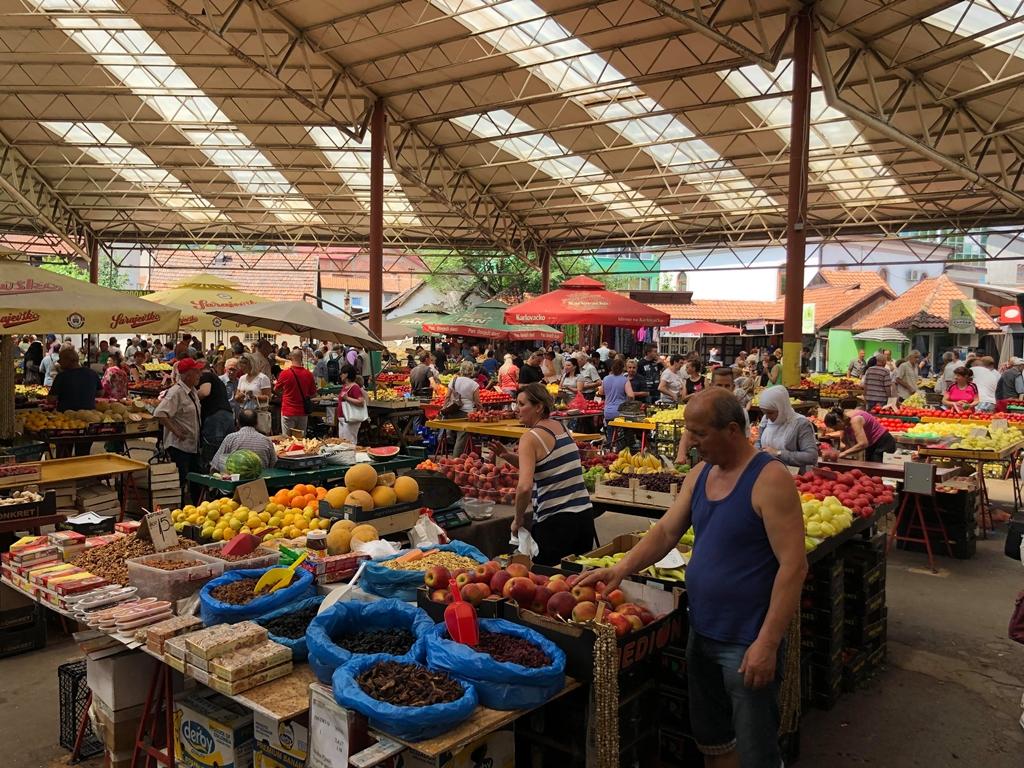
x=962 y=394
x=861 y=432
x=508 y=377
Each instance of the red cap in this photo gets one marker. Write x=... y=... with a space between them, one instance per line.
x=188 y=364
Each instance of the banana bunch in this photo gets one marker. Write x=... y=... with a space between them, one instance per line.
x=628 y=463
x=669 y=574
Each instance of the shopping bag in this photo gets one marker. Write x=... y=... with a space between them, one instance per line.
x=298 y=644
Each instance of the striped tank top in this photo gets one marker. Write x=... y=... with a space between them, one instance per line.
x=558 y=480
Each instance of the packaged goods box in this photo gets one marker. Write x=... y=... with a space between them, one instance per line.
x=280 y=743
x=121 y=681
x=212 y=732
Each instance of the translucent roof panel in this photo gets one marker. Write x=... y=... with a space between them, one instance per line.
x=552 y=159
x=351 y=159
x=853 y=175
x=104 y=146
x=986 y=21
x=133 y=58
x=528 y=35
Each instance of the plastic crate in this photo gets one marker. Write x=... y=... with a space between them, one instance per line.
x=261 y=557
x=74 y=696
x=22 y=639
x=172 y=585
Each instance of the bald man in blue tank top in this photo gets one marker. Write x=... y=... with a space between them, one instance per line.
x=743 y=582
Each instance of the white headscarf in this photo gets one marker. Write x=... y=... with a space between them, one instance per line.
x=777 y=399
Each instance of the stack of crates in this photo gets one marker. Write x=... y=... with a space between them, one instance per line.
x=822 y=633
x=676 y=747
x=866 y=612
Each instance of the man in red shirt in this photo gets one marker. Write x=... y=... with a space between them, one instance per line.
x=295 y=385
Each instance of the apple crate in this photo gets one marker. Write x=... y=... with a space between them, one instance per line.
x=624 y=543
x=577 y=640
x=489 y=608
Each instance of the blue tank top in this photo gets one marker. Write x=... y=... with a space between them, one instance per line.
x=614 y=394
x=732 y=567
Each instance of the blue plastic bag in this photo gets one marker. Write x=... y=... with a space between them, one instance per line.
x=500 y=685
x=409 y=723
x=213 y=611
x=325 y=655
x=298 y=645
x=402 y=585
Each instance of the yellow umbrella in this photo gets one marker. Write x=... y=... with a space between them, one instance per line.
x=200 y=293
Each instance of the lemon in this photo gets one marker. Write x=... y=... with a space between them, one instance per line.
x=189 y=509
x=325 y=523
x=235 y=523
x=208 y=532
x=264 y=516
x=274 y=522
x=213 y=514
x=245 y=529
x=288 y=519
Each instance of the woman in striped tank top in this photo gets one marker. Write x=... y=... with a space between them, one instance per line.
x=551 y=480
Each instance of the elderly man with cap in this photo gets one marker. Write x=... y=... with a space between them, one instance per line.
x=1011 y=381
x=178 y=413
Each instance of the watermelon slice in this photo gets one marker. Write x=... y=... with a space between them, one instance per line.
x=384 y=452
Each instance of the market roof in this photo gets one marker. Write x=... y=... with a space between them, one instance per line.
x=925 y=306
x=627 y=127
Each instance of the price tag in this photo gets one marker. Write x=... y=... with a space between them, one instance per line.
x=998 y=424
x=978 y=432
x=253 y=495
x=674 y=559
x=328 y=730
x=158 y=528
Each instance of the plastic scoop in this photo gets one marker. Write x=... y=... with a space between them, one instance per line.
x=460 y=619
x=278 y=578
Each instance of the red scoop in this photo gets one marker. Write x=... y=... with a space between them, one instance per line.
x=460 y=618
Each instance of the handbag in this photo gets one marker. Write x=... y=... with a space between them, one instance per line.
x=264 y=421
x=1017 y=620
x=354 y=414
x=453 y=405
x=307 y=402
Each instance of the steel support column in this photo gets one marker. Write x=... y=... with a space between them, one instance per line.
x=377 y=141
x=544 y=254
x=93 y=244
x=796 y=217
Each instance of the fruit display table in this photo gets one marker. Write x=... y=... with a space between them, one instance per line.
x=283 y=478
x=891 y=471
x=1009 y=454
x=509 y=429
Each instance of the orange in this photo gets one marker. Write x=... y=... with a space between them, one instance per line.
x=321 y=493
x=310 y=489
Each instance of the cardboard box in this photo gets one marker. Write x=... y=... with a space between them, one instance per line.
x=280 y=743
x=117 y=729
x=496 y=750
x=121 y=681
x=624 y=543
x=212 y=731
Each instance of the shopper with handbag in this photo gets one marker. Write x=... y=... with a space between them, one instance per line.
x=297 y=388
x=463 y=398
x=352 y=410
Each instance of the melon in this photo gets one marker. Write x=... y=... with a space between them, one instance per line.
x=383 y=452
x=361 y=498
x=246 y=464
x=406 y=489
x=345 y=523
x=339 y=539
x=336 y=497
x=364 y=533
x=383 y=496
x=361 y=477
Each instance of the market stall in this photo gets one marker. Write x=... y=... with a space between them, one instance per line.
x=196 y=295
x=487 y=320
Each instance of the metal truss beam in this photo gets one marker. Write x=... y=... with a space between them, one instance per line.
x=41 y=203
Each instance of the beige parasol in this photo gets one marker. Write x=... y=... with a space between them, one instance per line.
x=302 y=319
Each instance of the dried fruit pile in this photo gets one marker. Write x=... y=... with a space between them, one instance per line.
x=173 y=564
x=448 y=560
x=236 y=592
x=408 y=685
x=292 y=626
x=395 y=642
x=110 y=560
x=515 y=650
x=219 y=554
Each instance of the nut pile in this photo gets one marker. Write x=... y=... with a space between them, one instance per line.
x=293 y=625
x=111 y=560
x=515 y=650
x=172 y=564
x=219 y=553
x=236 y=592
x=395 y=642
x=408 y=685
x=448 y=560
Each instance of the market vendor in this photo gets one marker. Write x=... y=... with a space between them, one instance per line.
x=784 y=433
x=423 y=377
x=637 y=382
x=861 y=431
x=550 y=480
x=962 y=394
x=743 y=582
x=178 y=414
x=531 y=372
x=1011 y=381
x=216 y=415
x=246 y=438
x=75 y=387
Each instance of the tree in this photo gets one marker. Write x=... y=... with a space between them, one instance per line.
x=110 y=275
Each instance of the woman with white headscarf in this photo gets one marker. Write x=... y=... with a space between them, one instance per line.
x=784 y=433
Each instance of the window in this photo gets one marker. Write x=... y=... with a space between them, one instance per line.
x=1020 y=272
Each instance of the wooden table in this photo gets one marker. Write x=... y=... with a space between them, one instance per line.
x=878 y=469
x=509 y=429
x=1009 y=454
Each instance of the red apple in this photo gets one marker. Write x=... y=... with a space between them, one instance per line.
x=492 y=567
x=619 y=622
x=498 y=581
x=520 y=589
x=585 y=611
x=584 y=594
x=436 y=577
x=517 y=569
x=540 y=599
x=635 y=622
x=464 y=578
x=539 y=579
x=473 y=593
x=571 y=580
x=557 y=585
x=616 y=597
x=561 y=604
x=628 y=608
x=646 y=616
x=441 y=596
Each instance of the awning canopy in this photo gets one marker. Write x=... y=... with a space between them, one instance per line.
x=882 y=334
x=583 y=300
x=302 y=319
x=487 y=321
x=198 y=294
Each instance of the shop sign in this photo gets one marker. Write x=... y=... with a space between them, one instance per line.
x=1009 y=315
x=807 y=319
x=961 y=315
x=755 y=325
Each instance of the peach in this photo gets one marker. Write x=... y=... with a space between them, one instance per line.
x=619 y=622
x=584 y=594
x=616 y=597
x=539 y=579
x=517 y=569
x=635 y=622
x=557 y=585
x=561 y=604
x=541 y=596
x=585 y=611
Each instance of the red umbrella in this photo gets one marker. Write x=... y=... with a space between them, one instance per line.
x=584 y=300
x=701 y=328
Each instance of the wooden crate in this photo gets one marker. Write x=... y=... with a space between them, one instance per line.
x=655 y=498
x=614 y=493
x=28 y=473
